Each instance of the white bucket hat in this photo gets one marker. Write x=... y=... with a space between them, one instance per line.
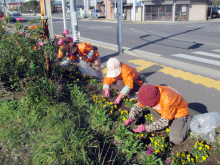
x=114 y=68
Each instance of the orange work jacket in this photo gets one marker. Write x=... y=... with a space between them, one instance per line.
x=128 y=75
x=171 y=104
x=84 y=49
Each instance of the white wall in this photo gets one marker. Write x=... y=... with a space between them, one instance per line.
x=197 y=11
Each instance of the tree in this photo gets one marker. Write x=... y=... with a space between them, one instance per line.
x=33 y=5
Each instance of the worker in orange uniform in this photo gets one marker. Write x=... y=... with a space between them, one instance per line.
x=125 y=78
x=88 y=52
x=167 y=107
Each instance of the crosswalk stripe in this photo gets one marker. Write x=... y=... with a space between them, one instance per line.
x=198 y=59
x=218 y=50
x=208 y=54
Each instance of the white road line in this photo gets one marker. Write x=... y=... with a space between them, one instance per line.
x=218 y=50
x=207 y=54
x=198 y=59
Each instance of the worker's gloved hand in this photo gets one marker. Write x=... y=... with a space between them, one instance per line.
x=141 y=128
x=129 y=122
x=69 y=54
x=59 y=60
x=85 y=57
x=107 y=93
x=117 y=101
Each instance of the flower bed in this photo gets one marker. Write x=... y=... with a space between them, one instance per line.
x=65 y=118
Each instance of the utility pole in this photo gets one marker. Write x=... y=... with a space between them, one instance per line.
x=64 y=14
x=211 y=11
x=106 y=10
x=5 y=9
x=119 y=30
x=74 y=20
x=174 y=11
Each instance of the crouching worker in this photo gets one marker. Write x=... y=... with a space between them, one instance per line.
x=167 y=107
x=125 y=78
x=89 y=53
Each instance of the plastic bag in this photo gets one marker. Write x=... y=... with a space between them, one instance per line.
x=204 y=125
x=86 y=69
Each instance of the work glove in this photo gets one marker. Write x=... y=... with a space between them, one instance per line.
x=117 y=101
x=107 y=93
x=141 y=128
x=129 y=122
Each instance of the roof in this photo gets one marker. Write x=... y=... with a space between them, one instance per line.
x=58 y=3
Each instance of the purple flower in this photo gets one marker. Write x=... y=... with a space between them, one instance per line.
x=148 y=152
x=150 y=148
x=168 y=161
x=69 y=39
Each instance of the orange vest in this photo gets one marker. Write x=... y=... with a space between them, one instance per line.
x=128 y=75
x=171 y=104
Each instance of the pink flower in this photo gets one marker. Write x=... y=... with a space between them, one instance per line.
x=20 y=33
x=21 y=19
x=65 y=32
x=60 y=42
x=1 y=18
x=168 y=160
x=16 y=42
x=41 y=43
x=69 y=39
x=148 y=152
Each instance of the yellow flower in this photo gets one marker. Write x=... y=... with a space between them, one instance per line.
x=142 y=135
x=157 y=151
x=115 y=106
x=188 y=156
x=167 y=129
x=77 y=79
x=155 y=143
x=111 y=111
x=200 y=148
x=174 y=160
x=137 y=135
x=192 y=160
x=152 y=134
x=91 y=77
x=177 y=154
x=119 y=110
x=182 y=161
x=207 y=155
x=151 y=139
x=123 y=96
x=124 y=119
x=151 y=118
x=162 y=146
x=145 y=116
x=111 y=103
x=131 y=99
x=183 y=154
x=204 y=158
x=126 y=99
x=207 y=146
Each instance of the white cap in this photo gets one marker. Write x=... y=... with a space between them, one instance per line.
x=114 y=68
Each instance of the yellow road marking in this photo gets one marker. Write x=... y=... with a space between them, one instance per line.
x=196 y=79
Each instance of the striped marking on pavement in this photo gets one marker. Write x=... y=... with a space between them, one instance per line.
x=218 y=50
x=207 y=54
x=198 y=59
x=196 y=79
